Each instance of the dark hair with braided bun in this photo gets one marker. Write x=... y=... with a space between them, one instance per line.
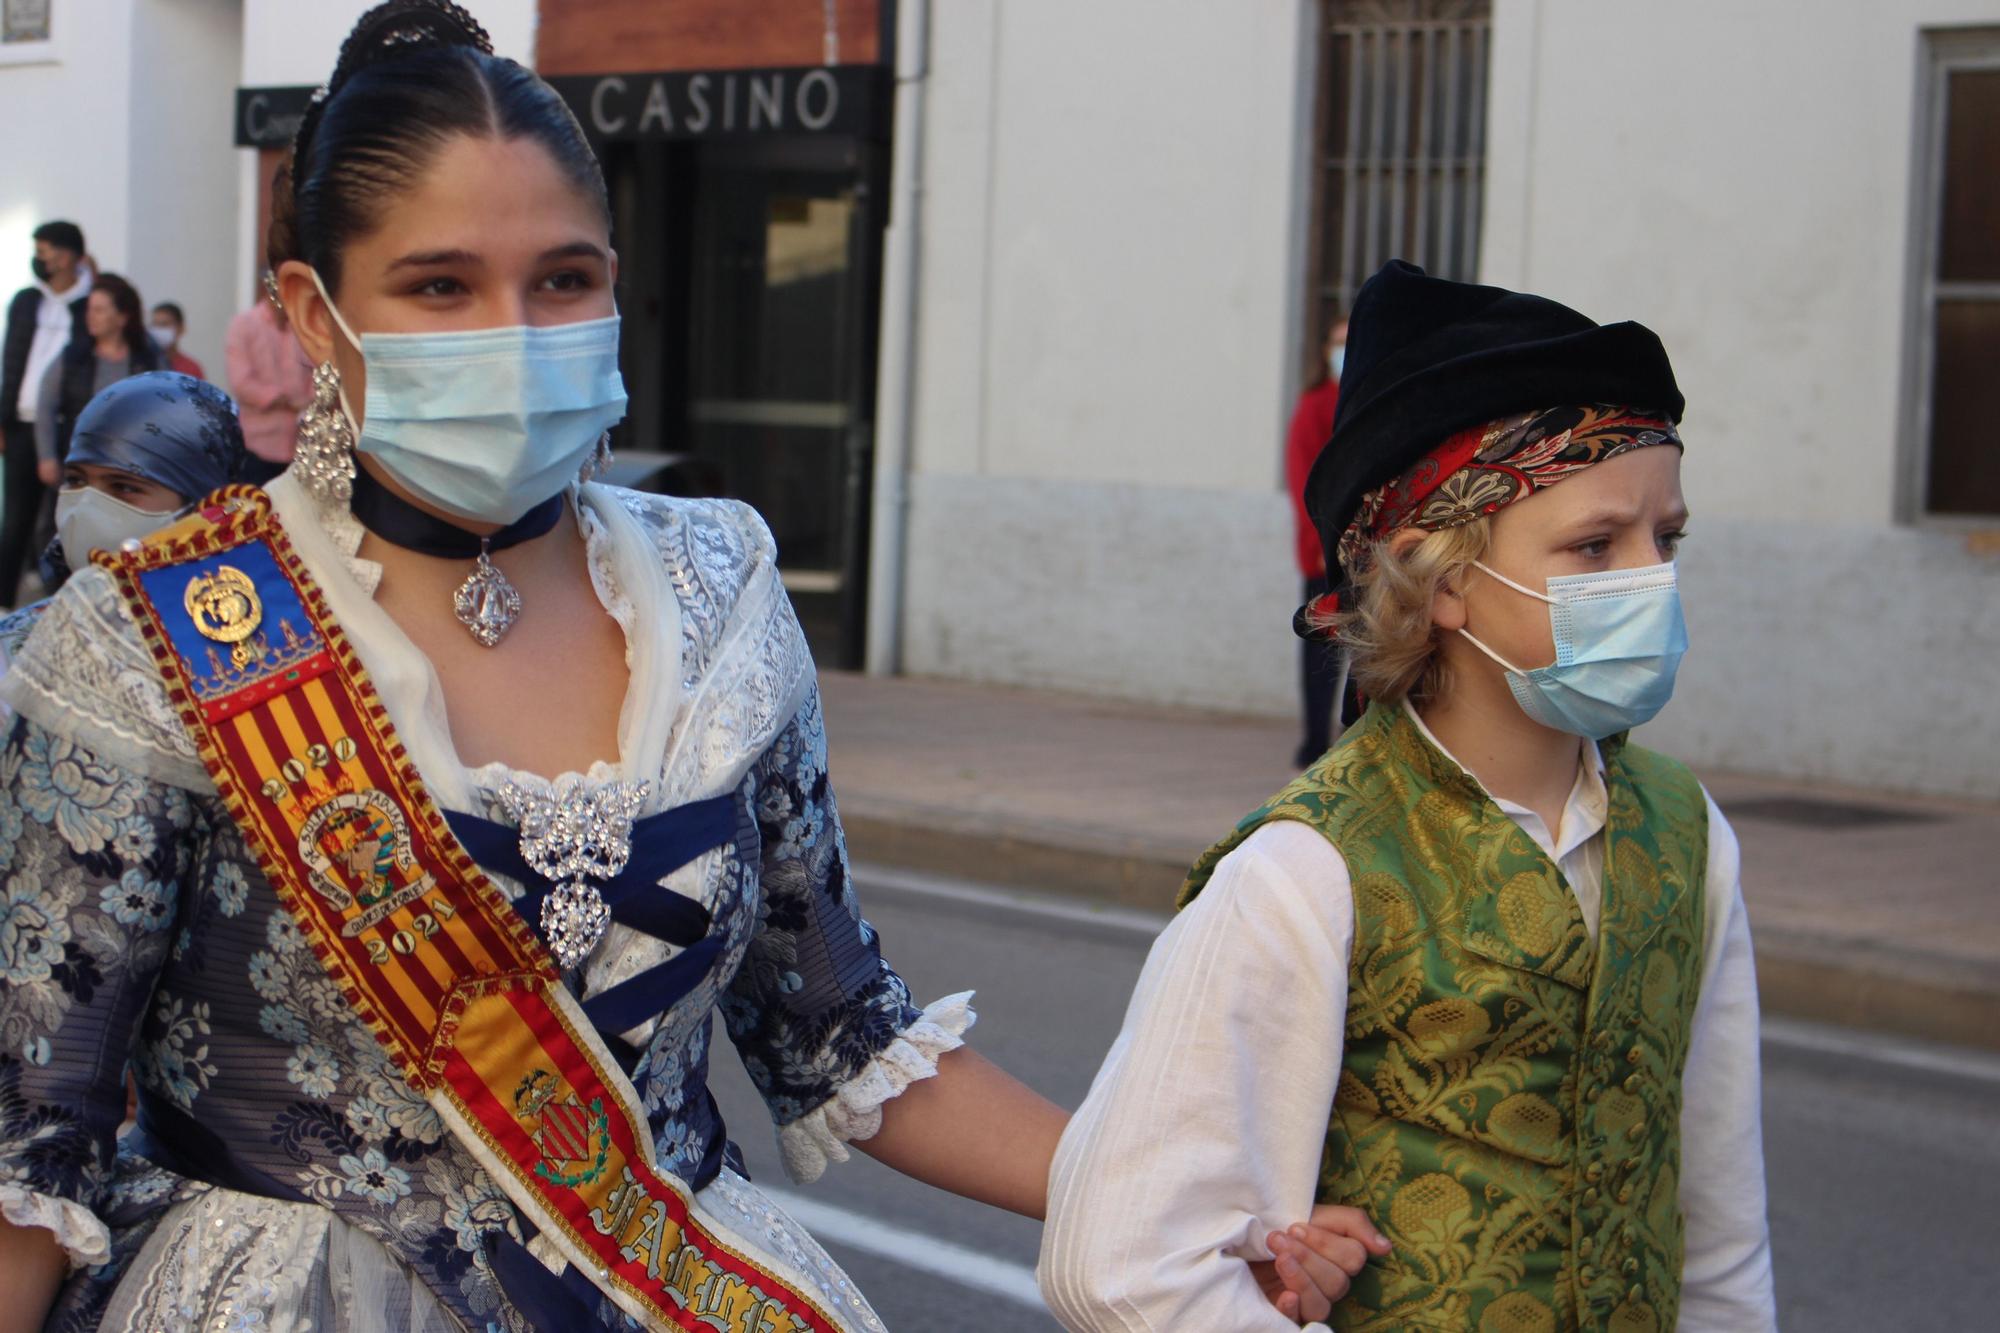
x=412 y=75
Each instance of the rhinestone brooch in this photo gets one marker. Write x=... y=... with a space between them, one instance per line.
x=571 y=838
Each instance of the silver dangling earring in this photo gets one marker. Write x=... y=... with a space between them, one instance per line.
x=324 y=455
x=599 y=461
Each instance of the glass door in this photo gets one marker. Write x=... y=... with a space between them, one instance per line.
x=781 y=299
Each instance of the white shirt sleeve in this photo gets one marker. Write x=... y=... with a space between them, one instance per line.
x=1204 y=1127
x=1726 y=1281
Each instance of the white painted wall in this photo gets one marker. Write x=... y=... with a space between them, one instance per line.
x=1737 y=176
x=1111 y=229
x=183 y=165
x=66 y=152
x=1108 y=289
x=287 y=43
x=126 y=134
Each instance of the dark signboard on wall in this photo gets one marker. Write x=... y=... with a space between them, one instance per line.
x=269 y=117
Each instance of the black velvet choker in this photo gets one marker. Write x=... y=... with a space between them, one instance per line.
x=400 y=523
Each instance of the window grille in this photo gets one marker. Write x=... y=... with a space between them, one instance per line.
x=1402 y=130
x=1956 y=294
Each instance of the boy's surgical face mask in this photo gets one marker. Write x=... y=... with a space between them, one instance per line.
x=1619 y=639
x=1336 y=359
x=89 y=520
x=164 y=335
x=486 y=423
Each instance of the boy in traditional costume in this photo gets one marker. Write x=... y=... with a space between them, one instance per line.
x=1484 y=969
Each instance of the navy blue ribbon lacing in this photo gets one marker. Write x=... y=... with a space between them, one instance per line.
x=661 y=844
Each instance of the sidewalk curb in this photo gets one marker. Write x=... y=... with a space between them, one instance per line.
x=1799 y=980
x=1107 y=868
x=1799 y=976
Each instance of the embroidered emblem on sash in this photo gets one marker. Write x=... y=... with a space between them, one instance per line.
x=362 y=838
x=575 y=1140
x=427 y=951
x=224 y=606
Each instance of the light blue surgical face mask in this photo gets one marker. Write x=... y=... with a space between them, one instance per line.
x=1619 y=640
x=487 y=423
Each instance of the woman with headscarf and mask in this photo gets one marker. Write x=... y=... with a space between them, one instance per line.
x=142 y=452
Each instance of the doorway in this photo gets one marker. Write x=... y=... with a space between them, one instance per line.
x=750 y=279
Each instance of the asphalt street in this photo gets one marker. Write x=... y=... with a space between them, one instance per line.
x=1883 y=1159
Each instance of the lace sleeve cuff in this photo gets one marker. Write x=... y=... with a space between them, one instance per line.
x=855 y=1109
x=76 y=1228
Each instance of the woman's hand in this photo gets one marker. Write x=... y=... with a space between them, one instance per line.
x=48 y=470
x=1317 y=1261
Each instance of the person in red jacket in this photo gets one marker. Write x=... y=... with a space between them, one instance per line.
x=1319 y=663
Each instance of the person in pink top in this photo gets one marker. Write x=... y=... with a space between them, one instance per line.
x=272 y=382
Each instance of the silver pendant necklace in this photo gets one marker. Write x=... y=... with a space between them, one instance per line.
x=486 y=603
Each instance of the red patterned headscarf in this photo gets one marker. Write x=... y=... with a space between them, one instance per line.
x=1479 y=472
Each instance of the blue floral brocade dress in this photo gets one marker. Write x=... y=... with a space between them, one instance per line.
x=282 y=1176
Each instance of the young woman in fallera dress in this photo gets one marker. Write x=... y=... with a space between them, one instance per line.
x=406 y=825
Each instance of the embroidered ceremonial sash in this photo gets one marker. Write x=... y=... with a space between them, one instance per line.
x=426 y=949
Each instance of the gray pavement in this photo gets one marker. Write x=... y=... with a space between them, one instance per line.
x=1883 y=1156
x=1869 y=910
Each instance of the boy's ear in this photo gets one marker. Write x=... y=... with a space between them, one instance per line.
x=1448 y=604
x=1448 y=601
x=1405 y=541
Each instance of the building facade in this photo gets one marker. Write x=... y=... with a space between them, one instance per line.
x=1128 y=234
x=998 y=308
x=111 y=108
x=1771 y=197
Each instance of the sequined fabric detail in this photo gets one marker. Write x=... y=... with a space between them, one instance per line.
x=750 y=1211
x=576 y=836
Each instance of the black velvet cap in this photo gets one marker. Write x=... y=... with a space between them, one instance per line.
x=1427 y=358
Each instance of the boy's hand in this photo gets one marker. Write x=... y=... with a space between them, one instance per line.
x=1317 y=1260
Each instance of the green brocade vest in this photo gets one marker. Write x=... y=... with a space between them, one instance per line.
x=1509 y=1104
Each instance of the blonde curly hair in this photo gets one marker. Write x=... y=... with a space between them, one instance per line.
x=1384 y=622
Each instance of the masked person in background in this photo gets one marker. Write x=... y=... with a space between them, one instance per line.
x=143 y=451
x=419 y=813
x=41 y=321
x=112 y=345
x=168 y=325
x=1484 y=970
